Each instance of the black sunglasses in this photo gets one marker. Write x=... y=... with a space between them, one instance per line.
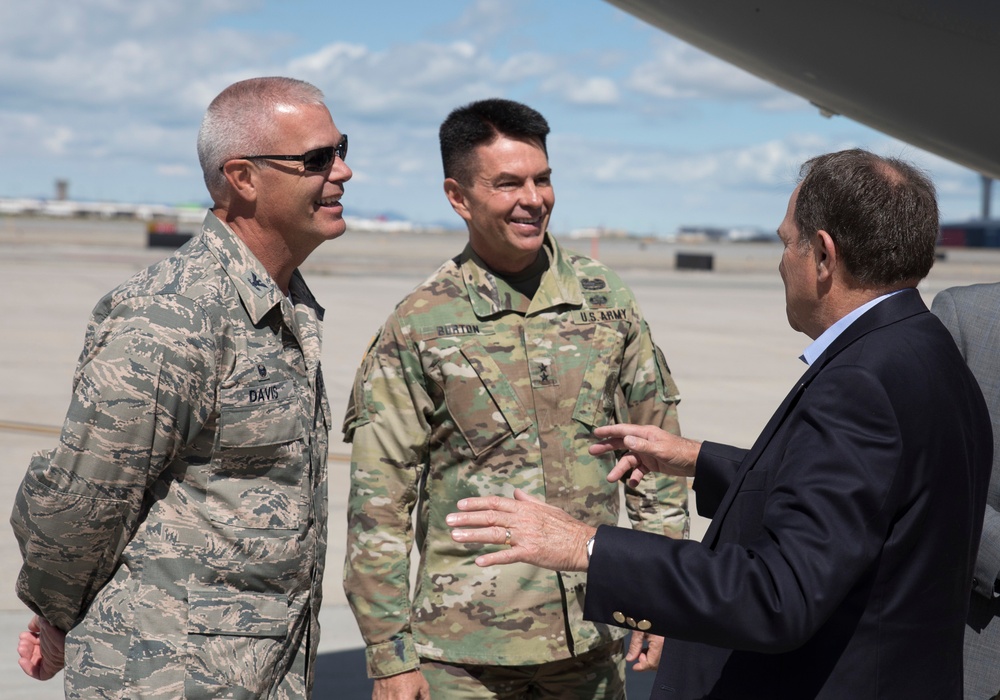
x=315 y=161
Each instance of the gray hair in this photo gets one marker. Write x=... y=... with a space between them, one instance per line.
x=239 y=121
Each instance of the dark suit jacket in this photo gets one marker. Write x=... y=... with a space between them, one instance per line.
x=839 y=558
x=972 y=314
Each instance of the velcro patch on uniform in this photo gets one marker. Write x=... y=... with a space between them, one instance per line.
x=453 y=329
x=593 y=284
x=275 y=392
x=260 y=286
x=600 y=315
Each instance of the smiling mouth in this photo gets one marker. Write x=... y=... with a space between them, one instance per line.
x=536 y=221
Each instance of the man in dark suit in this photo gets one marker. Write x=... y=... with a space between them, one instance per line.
x=972 y=314
x=839 y=558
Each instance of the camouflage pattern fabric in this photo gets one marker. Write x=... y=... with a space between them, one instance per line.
x=596 y=674
x=179 y=528
x=470 y=389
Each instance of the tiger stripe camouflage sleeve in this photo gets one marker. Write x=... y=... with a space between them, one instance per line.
x=88 y=492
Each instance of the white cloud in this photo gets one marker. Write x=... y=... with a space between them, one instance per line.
x=177 y=171
x=771 y=163
x=525 y=66
x=111 y=92
x=680 y=71
x=486 y=21
x=595 y=90
x=44 y=28
x=409 y=83
x=121 y=55
x=55 y=142
x=330 y=57
x=784 y=102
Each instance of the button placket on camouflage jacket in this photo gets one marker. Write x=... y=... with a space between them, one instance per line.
x=460 y=395
x=179 y=527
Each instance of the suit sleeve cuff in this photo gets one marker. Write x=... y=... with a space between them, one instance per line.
x=392 y=657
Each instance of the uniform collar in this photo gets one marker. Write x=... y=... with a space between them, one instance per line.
x=256 y=289
x=559 y=285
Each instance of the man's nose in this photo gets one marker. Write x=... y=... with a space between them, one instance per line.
x=530 y=196
x=340 y=171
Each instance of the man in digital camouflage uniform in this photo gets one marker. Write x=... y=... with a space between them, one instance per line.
x=491 y=376
x=178 y=530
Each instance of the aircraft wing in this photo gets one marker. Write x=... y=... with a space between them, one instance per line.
x=921 y=71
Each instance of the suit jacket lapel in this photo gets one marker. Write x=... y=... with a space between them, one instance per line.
x=903 y=305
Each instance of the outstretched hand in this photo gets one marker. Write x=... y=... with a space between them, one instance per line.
x=644 y=649
x=533 y=531
x=647 y=449
x=41 y=649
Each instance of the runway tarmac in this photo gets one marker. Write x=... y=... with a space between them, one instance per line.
x=723 y=332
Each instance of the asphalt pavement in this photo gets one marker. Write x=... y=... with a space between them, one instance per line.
x=722 y=330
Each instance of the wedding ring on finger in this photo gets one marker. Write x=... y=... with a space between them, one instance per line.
x=506 y=540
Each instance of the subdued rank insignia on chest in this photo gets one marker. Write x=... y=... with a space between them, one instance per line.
x=600 y=315
x=542 y=373
x=593 y=284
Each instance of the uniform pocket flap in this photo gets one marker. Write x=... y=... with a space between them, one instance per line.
x=595 y=401
x=481 y=400
x=257 y=426
x=220 y=611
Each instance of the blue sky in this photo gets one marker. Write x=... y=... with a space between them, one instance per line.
x=648 y=134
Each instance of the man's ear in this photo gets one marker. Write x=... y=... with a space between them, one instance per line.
x=456 y=197
x=242 y=178
x=825 y=255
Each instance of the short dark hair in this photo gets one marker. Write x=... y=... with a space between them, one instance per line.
x=482 y=122
x=881 y=213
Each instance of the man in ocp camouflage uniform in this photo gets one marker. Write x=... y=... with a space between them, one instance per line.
x=178 y=530
x=491 y=376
